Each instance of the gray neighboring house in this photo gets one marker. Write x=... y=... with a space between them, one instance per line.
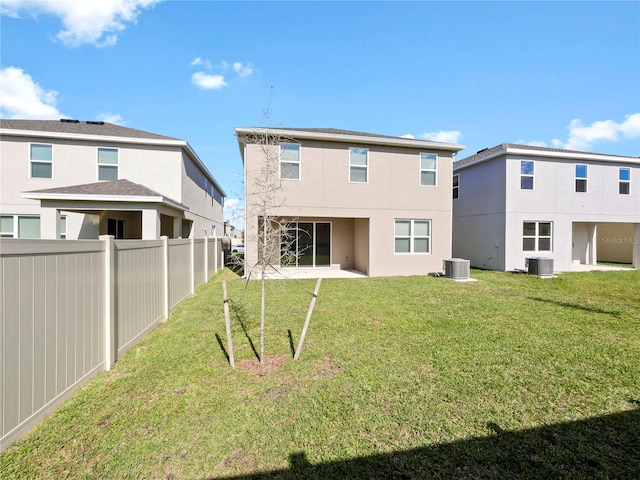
x=78 y=180
x=376 y=204
x=513 y=202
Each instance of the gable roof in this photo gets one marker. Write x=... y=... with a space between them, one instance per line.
x=116 y=190
x=348 y=136
x=513 y=148
x=80 y=127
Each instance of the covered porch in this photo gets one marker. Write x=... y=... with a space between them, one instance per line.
x=613 y=243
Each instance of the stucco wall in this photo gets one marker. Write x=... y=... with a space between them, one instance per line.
x=392 y=192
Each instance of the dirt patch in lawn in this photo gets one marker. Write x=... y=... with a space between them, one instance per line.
x=255 y=368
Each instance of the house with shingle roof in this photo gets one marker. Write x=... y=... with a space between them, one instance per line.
x=81 y=179
x=513 y=202
x=376 y=204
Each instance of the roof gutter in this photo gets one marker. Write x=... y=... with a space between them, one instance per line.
x=78 y=197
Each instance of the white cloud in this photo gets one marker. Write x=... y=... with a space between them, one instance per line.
x=409 y=136
x=21 y=97
x=115 y=118
x=533 y=143
x=208 y=82
x=234 y=210
x=199 y=61
x=242 y=70
x=84 y=21
x=581 y=137
x=446 y=136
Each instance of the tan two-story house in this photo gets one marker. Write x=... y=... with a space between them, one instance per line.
x=376 y=204
x=81 y=179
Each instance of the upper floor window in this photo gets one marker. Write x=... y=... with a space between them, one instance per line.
x=41 y=158
x=624 y=180
x=107 y=163
x=358 y=165
x=581 y=178
x=412 y=236
x=456 y=186
x=526 y=174
x=428 y=169
x=536 y=236
x=290 y=161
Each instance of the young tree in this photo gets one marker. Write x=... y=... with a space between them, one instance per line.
x=274 y=238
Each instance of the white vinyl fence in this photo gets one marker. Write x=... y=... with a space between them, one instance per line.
x=70 y=308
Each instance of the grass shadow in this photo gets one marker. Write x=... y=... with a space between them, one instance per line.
x=293 y=349
x=576 y=306
x=222 y=347
x=598 y=447
x=241 y=315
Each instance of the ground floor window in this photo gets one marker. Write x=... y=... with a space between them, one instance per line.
x=115 y=227
x=19 y=226
x=412 y=236
x=536 y=236
x=305 y=244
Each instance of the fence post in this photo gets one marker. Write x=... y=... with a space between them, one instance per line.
x=110 y=350
x=192 y=261
x=206 y=259
x=165 y=274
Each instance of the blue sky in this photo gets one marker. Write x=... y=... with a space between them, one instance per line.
x=560 y=74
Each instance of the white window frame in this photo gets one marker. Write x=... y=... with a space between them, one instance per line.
x=623 y=182
x=434 y=170
x=585 y=178
x=531 y=175
x=412 y=236
x=537 y=237
x=290 y=162
x=32 y=161
x=117 y=165
x=456 y=186
x=359 y=167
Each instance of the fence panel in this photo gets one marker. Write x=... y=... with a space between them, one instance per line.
x=198 y=259
x=139 y=290
x=50 y=327
x=179 y=271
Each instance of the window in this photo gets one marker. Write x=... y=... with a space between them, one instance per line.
x=115 y=227
x=624 y=176
x=63 y=227
x=41 y=157
x=358 y=165
x=290 y=161
x=581 y=178
x=456 y=186
x=17 y=226
x=536 y=236
x=107 y=163
x=6 y=226
x=412 y=236
x=428 y=169
x=526 y=175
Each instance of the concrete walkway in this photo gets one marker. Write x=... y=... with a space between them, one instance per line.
x=591 y=268
x=313 y=273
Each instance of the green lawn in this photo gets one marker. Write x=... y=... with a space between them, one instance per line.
x=508 y=377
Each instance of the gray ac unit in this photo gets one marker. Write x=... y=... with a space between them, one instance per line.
x=540 y=266
x=456 y=268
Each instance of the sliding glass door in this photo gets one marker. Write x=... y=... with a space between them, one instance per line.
x=306 y=244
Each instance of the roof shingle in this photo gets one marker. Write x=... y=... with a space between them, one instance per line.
x=80 y=128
